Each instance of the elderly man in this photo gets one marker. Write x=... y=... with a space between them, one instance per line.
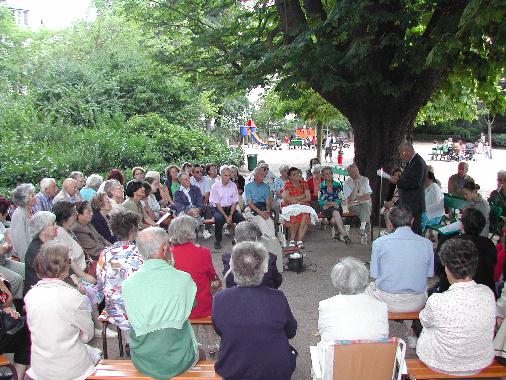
x=411 y=184
x=158 y=300
x=93 y=182
x=44 y=197
x=69 y=192
x=80 y=179
x=269 y=176
x=188 y=198
x=357 y=196
x=224 y=198
x=257 y=195
x=456 y=181
x=400 y=264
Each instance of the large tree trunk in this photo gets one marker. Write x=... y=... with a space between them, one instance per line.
x=319 y=136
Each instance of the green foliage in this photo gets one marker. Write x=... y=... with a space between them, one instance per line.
x=499 y=140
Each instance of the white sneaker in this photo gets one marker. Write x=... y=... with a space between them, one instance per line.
x=109 y=334
x=412 y=341
x=226 y=231
x=206 y=234
x=346 y=229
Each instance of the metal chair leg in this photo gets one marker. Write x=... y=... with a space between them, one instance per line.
x=104 y=339
x=120 y=342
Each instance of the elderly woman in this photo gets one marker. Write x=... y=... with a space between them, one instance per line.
x=12 y=271
x=65 y=213
x=277 y=188
x=93 y=183
x=434 y=202
x=43 y=228
x=458 y=325
x=23 y=197
x=314 y=184
x=312 y=162
x=19 y=342
x=115 y=191
x=151 y=200
x=247 y=231
x=352 y=314
x=59 y=349
x=101 y=206
x=87 y=236
x=135 y=193
x=470 y=191
x=187 y=168
x=498 y=196
x=330 y=201
x=116 y=263
x=138 y=174
x=158 y=190
x=117 y=175
x=296 y=191
x=197 y=262
x=236 y=320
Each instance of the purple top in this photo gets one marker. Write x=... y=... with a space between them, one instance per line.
x=254 y=324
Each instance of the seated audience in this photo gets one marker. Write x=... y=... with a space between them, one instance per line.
x=187 y=168
x=352 y=314
x=116 y=263
x=247 y=231
x=44 y=197
x=470 y=192
x=400 y=265
x=472 y=224
x=115 y=192
x=19 y=232
x=101 y=206
x=87 y=236
x=138 y=174
x=69 y=192
x=236 y=320
x=135 y=193
x=434 y=202
x=237 y=178
x=197 y=262
x=161 y=195
x=330 y=202
x=59 y=349
x=357 y=197
x=171 y=182
x=313 y=183
x=257 y=195
x=458 y=324
x=202 y=182
x=277 y=188
x=456 y=181
x=80 y=181
x=312 y=162
x=188 y=198
x=151 y=202
x=93 y=182
x=17 y=343
x=11 y=270
x=43 y=229
x=498 y=196
x=391 y=199
x=212 y=174
x=158 y=300
x=296 y=192
x=117 y=175
x=224 y=198
x=65 y=213
x=430 y=169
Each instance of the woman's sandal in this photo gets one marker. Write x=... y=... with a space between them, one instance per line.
x=292 y=244
x=300 y=244
x=213 y=349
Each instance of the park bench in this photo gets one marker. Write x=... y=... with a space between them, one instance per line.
x=124 y=369
x=5 y=362
x=295 y=143
x=406 y=316
x=419 y=371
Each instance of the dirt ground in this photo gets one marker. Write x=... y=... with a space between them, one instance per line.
x=306 y=289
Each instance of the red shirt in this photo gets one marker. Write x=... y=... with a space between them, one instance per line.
x=313 y=188
x=197 y=262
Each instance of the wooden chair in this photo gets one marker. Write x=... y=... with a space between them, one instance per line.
x=405 y=316
x=105 y=322
x=419 y=371
x=124 y=369
x=201 y=321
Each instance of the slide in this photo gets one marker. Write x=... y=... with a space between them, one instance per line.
x=257 y=140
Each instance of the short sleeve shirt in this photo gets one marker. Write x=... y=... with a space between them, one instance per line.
x=332 y=195
x=257 y=192
x=364 y=187
x=225 y=195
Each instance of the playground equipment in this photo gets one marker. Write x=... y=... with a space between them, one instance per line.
x=248 y=132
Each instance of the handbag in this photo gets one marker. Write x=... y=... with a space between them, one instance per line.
x=8 y=324
x=216 y=285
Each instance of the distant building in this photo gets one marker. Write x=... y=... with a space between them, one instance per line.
x=24 y=13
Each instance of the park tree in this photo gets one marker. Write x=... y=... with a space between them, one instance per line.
x=377 y=62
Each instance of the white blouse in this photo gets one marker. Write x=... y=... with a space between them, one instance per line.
x=434 y=201
x=458 y=329
x=76 y=253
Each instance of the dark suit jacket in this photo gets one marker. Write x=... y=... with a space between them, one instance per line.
x=181 y=201
x=102 y=227
x=272 y=278
x=410 y=185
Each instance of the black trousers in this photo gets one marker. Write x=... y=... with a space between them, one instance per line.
x=219 y=221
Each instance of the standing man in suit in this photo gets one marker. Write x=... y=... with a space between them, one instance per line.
x=410 y=184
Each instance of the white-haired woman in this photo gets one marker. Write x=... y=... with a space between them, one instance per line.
x=351 y=314
x=498 y=196
x=197 y=262
x=93 y=183
x=23 y=196
x=250 y=315
x=43 y=228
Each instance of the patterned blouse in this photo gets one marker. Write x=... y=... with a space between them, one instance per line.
x=332 y=195
x=115 y=264
x=295 y=191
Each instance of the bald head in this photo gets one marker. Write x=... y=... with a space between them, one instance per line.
x=151 y=243
x=70 y=186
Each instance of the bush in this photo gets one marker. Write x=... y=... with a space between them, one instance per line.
x=499 y=140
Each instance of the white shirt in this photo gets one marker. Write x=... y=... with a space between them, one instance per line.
x=76 y=253
x=204 y=184
x=352 y=317
x=363 y=187
x=186 y=191
x=434 y=201
x=458 y=329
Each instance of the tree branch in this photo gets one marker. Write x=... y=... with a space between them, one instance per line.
x=314 y=9
x=291 y=17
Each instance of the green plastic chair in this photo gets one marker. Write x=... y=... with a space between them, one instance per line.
x=340 y=172
x=496 y=221
x=452 y=203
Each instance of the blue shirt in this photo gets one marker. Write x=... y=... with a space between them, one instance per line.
x=257 y=192
x=44 y=203
x=402 y=261
x=333 y=195
x=87 y=193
